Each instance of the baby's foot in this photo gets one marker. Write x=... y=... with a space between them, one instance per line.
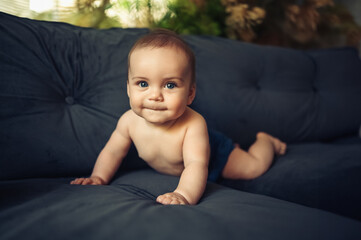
x=278 y=146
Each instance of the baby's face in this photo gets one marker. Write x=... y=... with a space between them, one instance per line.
x=159 y=84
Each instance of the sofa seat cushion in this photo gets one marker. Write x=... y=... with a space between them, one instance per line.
x=320 y=175
x=126 y=209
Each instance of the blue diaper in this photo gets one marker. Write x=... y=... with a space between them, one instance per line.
x=221 y=147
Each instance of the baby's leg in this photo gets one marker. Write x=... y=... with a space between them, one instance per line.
x=255 y=162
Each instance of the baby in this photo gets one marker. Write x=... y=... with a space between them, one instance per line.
x=171 y=137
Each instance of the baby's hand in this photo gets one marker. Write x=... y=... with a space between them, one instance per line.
x=172 y=198
x=88 y=181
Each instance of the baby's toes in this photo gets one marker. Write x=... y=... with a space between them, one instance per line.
x=282 y=148
x=279 y=146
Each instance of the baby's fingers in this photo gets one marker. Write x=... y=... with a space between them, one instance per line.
x=77 y=181
x=82 y=181
x=161 y=199
x=177 y=202
x=166 y=200
x=86 y=181
x=171 y=198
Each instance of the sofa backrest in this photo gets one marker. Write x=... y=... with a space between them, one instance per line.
x=63 y=88
x=295 y=95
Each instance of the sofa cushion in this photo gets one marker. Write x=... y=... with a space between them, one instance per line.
x=126 y=209
x=320 y=175
x=62 y=90
x=338 y=86
x=295 y=95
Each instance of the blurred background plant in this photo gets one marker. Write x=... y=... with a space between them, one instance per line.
x=292 y=23
x=300 y=24
x=84 y=13
x=243 y=19
x=194 y=17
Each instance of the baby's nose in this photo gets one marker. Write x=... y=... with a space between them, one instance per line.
x=156 y=95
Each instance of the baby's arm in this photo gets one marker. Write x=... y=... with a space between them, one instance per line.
x=193 y=180
x=111 y=156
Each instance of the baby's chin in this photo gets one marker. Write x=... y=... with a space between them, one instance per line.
x=153 y=116
x=160 y=121
x=158 y=116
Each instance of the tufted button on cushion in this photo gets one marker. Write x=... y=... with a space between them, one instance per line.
x=241 y=89
x=52 y=63
x=69 y=100
x=262 y=85
x=294 y=95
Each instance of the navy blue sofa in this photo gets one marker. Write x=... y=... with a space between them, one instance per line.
x=62 y=89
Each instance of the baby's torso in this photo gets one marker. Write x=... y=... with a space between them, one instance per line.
x=161 y=149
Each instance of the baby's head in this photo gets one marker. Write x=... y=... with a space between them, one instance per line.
x=161 y=78
x=161 y=38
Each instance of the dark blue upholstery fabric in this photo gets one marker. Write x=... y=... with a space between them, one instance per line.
x=338 y=86
x=244 y=88
x=126 y=209
x=320 y=175
x=62 y=91
x=63 y=88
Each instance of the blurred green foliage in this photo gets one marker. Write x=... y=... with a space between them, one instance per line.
x=85 y=13
x=291 y=23
x=186 y=17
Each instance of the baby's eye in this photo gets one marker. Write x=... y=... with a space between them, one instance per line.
x=143 y=84
x=170 y=85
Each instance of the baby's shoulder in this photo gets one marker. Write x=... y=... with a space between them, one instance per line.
x=127 y=120
x=194 y=118
x=196 y=128
x=127 y=115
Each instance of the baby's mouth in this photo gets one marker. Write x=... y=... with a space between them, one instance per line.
x=155 y=108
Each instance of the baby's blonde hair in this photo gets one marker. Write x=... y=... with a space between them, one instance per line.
x=159 y=38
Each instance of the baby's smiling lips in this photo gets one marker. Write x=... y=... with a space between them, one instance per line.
x=155 y=108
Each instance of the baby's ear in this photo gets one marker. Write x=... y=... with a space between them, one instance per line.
x=192 y=94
